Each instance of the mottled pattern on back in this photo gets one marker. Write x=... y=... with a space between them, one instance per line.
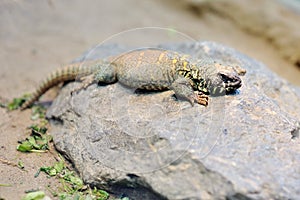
x=146 y=69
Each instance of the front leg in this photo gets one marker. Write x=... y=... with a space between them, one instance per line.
x=201 y=98
x=184 y=90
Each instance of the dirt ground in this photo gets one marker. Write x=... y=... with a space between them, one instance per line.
x=38 y=37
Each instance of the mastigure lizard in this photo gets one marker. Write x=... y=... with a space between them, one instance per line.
x=151 y=69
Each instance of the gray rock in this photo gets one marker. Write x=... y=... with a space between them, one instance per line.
x=151 y=146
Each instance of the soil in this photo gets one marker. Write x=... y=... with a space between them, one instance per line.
x=39 y=37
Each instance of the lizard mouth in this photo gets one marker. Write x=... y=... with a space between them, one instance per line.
x=231 y=82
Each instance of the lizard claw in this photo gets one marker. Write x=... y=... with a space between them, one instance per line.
x=200 y=98
x=86 y=81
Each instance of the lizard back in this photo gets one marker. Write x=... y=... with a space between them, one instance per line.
x=150 y=69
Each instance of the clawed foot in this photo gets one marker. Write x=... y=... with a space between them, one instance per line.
x=86 y=81
x=76 y=90
x=199 y=98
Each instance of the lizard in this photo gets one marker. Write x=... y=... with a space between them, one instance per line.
x=150 y=69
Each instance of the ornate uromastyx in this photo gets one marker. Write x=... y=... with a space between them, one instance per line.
x=151 y=69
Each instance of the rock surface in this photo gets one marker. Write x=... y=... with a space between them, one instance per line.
x=151 y=146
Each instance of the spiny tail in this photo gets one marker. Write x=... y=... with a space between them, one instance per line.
x=67 y=73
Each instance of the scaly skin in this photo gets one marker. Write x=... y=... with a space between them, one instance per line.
x=151 y=69
x=67 y=73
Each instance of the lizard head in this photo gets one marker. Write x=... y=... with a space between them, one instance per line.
x=216 y=79
x=224 y=79
x=222 y=83
x=230 y=81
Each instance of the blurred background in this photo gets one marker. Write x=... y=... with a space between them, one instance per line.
x=38 y=36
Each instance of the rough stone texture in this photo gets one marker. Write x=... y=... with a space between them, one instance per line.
x=151 y=146
x=264 y=18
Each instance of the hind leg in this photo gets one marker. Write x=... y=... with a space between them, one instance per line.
x=104 y=73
